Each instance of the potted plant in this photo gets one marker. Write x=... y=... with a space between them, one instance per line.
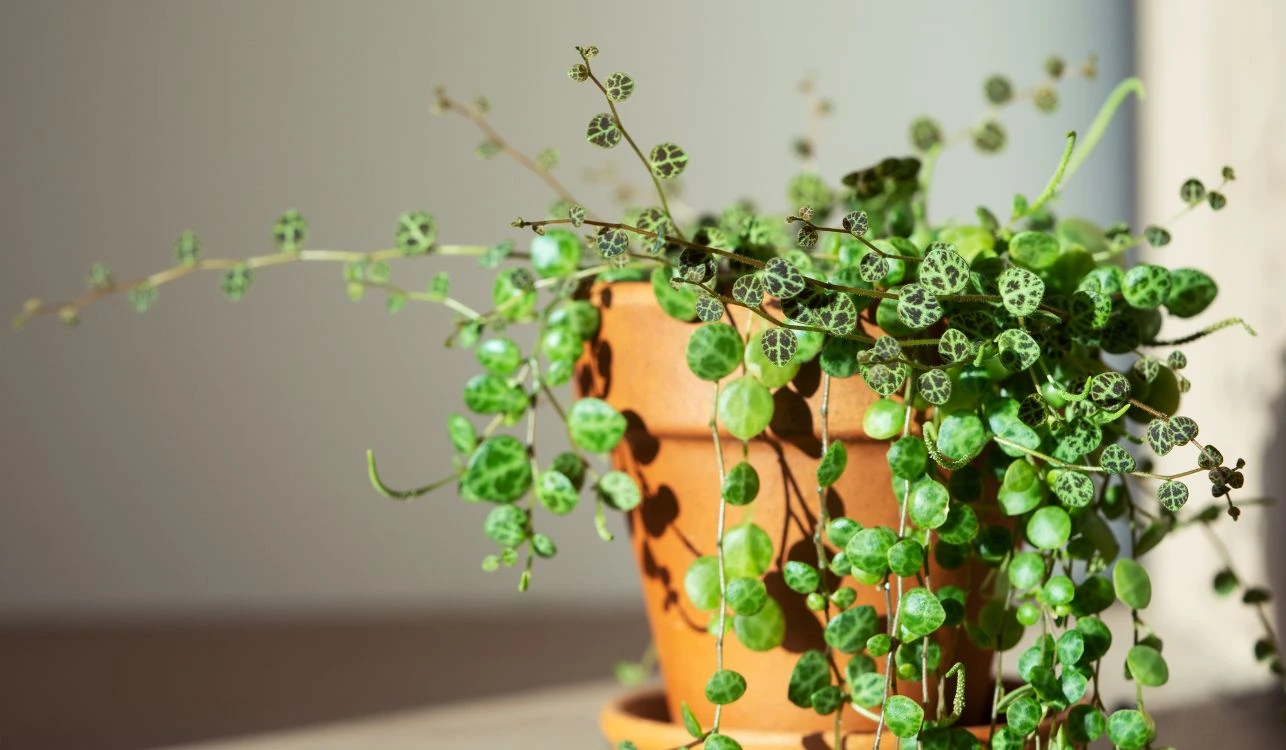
x=863 y=454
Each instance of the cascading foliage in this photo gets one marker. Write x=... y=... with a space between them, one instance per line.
x=1022 y=354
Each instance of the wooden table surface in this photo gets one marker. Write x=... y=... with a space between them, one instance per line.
x=563 y=718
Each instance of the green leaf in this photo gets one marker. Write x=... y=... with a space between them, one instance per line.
x=779 y=345
x=839 y=316
x=1117 y=460
x=855 y=223
x=873 y=267
x=620 y=490
x=954 y=346
x=918 y=307
x=416 y=231
x=720 y=742
x=1073 y=488
x=701 y=583
x=832 y=464
x=810 y=674
x=1024 y=715
x=801 y=577
x=464 y=438
x=1191 y=292
x=1146 y=286
x=741 y=484
x=619 y=87
x=612 y=242
x=499 y=356
x=849 y=630
x=883 y=419
x=1049 y=528
x=690 y=722
x=943 y=270
x=724 y=687
x=747 y=551
x=499 y=471
x=1129 y=729
x=290 y=232
x=763 y=631
x=602 y=131
x=961 y=435
x=678 y=303
x=506 y=525
x=748 y=290
x=187 y=249
x=868 y=550
x=1085 y=724
x=142 y=297
x=1132 y=583
x=709 y=309
x=668 y=160
x=1147 y=666
x=935 y=386
x=782 y=279
x=1034 y=250
x=961 y=526
x=1108 y=390
x=928 y=504
x=236 y=282
x=868 y=689
x=827 y=700
x=714 y=351
x=555 y=253
x=907 y=457
x=1172 y=495
x=594 y=425
x=921 y=613
x=513 y=293
x=745 y=407
x=1018 y=350
x=906 y=558
x=556 y=492
x=903 y=716
x=746 y=596
x=1021 y=291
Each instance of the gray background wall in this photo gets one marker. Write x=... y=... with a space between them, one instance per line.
x=207 y=457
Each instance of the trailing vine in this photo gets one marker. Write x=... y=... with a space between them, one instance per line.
x=1014 y=443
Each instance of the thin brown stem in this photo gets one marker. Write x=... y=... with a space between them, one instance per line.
x=477 y=118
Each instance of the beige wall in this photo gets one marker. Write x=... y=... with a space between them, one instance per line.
x=207 y=456
x=1216 y=79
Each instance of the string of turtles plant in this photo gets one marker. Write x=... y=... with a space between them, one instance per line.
x=987 y=342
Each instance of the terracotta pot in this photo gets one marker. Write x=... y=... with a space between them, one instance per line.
x=637 y=364
x=642 y=718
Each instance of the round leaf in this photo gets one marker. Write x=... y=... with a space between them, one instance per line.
x=1132 y=583
x=724 y=687
x=903 y=716
x=747 y=551
x=849 y=630
x=594 y=425
x=745 y=407
x=763 y=631
x=499 y=471
x=1049 y=528
x=714 y=351
x=556 y=492
x=741 y=484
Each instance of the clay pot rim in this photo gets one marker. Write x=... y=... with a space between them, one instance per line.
x=631 y=715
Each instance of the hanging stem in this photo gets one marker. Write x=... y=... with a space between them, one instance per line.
x=723 y=575
x=477 y=118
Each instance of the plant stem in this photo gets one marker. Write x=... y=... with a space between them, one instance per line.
x=723 y=575
x=656 y=182
x=480 y=120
